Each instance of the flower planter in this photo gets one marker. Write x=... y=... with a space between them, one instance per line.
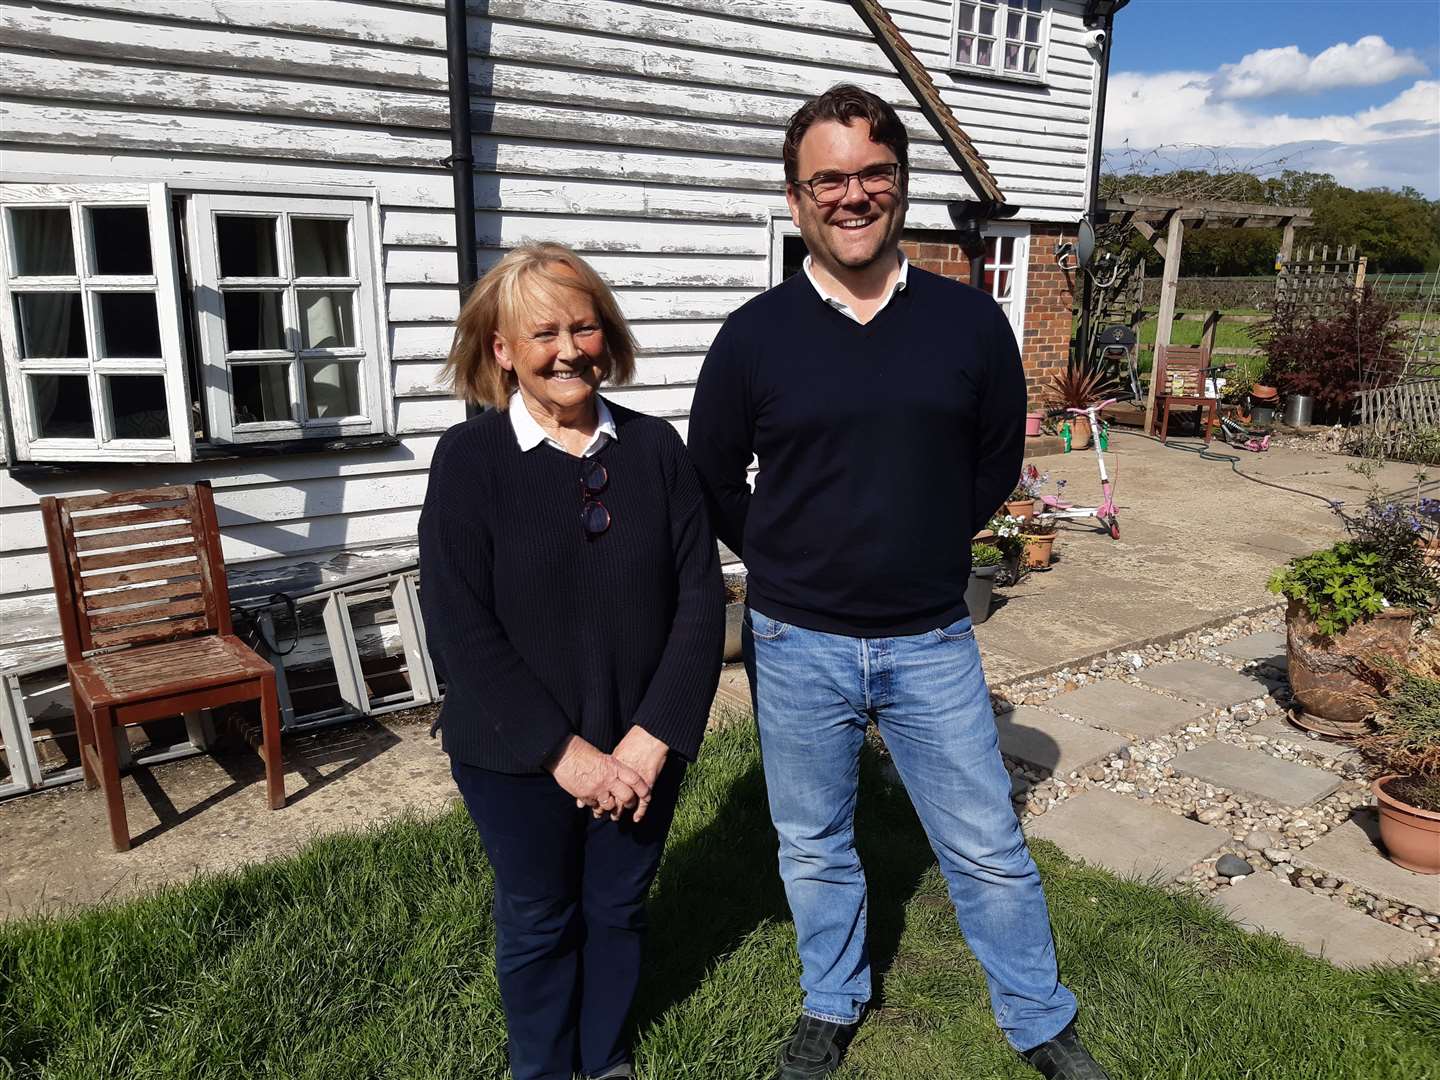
x=1039 y=550
x=1430 y=551
x=979 y=592
x=1033 y=422
x=1322 y=667
x=1411 y=836
x=1080 y=433
x=1021 y=508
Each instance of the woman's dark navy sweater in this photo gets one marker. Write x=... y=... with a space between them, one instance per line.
x=540 y=632
x=883 y=449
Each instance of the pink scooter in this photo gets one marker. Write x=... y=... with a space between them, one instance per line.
x=1107 y=513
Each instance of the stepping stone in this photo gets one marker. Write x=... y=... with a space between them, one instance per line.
x=1320 y=925
x=1352 y=852
x=1277 y=728
x=1269 y=647
x=1131 y=838
x=1208 y=684
x=1120 y=706
x=1059 y=747
x=1256 y=774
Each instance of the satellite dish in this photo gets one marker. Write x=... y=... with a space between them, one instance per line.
x=1085 y=248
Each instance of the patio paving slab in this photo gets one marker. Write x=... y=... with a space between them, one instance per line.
x=1256 y=774
x=1321 y=926
x=1059 y=747
x=1268 y=646
x=1352 y=852
x=1210 y=684
x=1121 y=706
x=1277 y=728
x=1128 y=837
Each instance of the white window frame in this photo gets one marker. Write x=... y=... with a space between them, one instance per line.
x=162 y=283
x=969 y=11
x=210 y=287
x=1019 y=267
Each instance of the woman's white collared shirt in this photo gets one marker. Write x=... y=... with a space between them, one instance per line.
x=529 y=434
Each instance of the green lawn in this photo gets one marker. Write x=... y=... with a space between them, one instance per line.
x=370 y=956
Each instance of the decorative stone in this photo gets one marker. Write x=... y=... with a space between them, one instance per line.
x=1352 y=851
x=1119 y=706
x=1256 y=774
x=1205 y=683
x=1233 y=866
x=1054 y=746
x=1126 y=836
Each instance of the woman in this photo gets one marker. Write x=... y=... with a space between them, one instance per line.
x=573 y=604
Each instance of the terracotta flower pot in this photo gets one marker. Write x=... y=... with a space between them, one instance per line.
x=1322 y=666
x=1021 y=508
x=1430 y=550
x=1039 y=550
x=1080 y=433
x=1411 y=836
x=1033 y=422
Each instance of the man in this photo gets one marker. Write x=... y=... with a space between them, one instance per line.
x=885 y=406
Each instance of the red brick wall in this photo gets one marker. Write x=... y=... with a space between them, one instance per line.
x=1049 y=297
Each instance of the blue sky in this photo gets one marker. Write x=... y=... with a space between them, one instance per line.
x=1349 y=87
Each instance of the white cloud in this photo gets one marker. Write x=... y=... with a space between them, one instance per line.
x=1393 y=144
x=1370 y=61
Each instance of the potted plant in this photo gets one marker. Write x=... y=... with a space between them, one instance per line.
x=1405 y=745
x=1354 y=600
x=1038 y=536
x=1003 y=531
x=1077 y=387
x=985 y=563
x=1021 y=503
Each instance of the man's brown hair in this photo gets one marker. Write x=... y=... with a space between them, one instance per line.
x=496 y=302
x=845 y=104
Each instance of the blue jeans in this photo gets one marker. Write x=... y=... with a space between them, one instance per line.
x=814 y=694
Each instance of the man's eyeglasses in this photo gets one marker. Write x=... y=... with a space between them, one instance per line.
x=594 y=518
x=829 y=188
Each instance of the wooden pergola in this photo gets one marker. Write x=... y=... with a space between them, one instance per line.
x=1163 y=222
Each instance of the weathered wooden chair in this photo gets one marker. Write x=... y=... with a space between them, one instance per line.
x=145 y=618
x=1180 y=384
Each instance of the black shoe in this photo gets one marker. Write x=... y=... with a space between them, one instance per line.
x=814 y=1048
x=623 y=1071
x=1065 y=1058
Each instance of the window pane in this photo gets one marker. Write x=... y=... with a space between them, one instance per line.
x=964 y=48
x=990 y=251
x=261 y=392
x=1032 y=28
x=62 y=406
x=1012 y=57
x=985 y=53
x=122 y=239
x=1007 y=250
x=966 y=17
x=129 y=324
x=1033 y=5
x=247 y=246
x=987 y=21
x=1032 y=59
x=1012 y=25
x=52 y=324
x=322 y=247
x=137 y=406
x=42 y=241
x=254 y=320
x=326 y=319
x=332 y=390
x=1004 y=291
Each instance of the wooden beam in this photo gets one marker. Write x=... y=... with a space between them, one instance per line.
x=1213 y=207
x=1174 y=239
x=1149 y=232
x=1287 y=242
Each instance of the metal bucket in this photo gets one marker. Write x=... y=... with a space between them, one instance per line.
x=1298 y=408
x=1262 y=414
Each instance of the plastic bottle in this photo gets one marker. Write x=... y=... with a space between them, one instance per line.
x=1104 y=436
x=1065 y=434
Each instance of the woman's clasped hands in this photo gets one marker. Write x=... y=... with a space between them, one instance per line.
x=611 y=784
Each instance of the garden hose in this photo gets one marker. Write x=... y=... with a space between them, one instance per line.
x=1209 y=455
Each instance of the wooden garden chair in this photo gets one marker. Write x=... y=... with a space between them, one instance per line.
x=145 y=617
x=1180 y=384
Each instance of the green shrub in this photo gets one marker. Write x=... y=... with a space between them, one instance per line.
x=1337 y=585
x=986 y=555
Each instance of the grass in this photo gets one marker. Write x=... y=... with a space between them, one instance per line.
x=369 y=956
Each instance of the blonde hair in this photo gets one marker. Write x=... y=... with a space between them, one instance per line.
x=499 y=296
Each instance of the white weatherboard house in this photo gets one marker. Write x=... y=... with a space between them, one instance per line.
x=228 y=243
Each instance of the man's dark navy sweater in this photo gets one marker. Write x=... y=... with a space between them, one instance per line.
x=883 y=448
x=540 y=632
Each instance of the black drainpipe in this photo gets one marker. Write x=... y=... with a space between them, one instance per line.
x=1082 y=346
x=461 y=159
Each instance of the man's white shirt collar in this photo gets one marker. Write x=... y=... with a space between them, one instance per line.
x=844 y=308
x=529 y=434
